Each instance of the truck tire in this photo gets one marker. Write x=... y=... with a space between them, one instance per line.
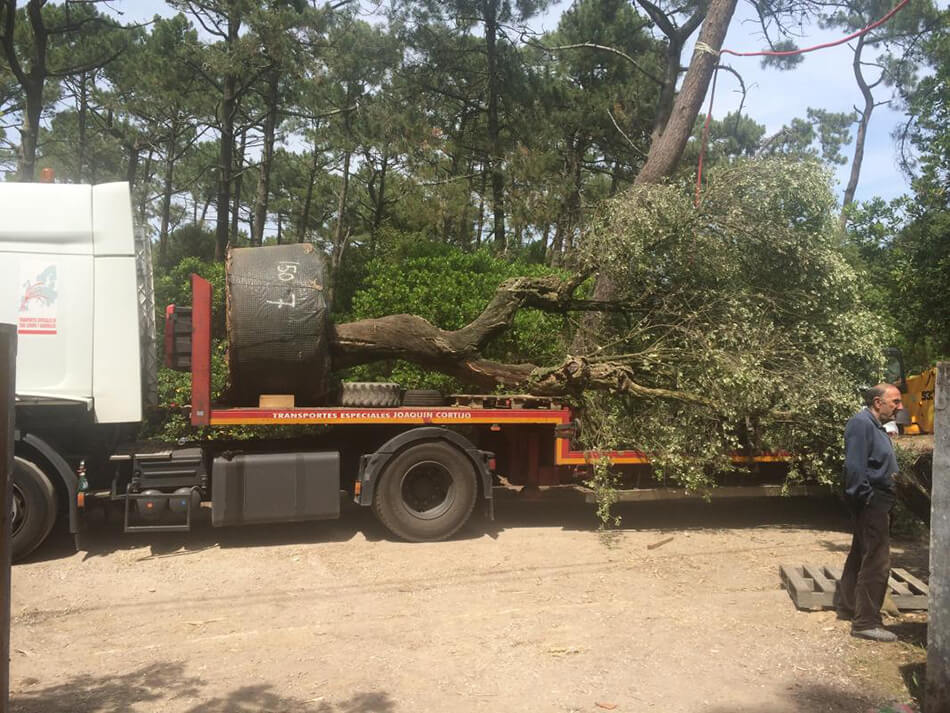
x=426 y=492
x=34 y=507
x=369 y=394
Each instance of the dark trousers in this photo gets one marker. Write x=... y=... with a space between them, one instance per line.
x=864 y=580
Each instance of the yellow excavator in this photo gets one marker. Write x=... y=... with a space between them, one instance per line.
x=917 y=393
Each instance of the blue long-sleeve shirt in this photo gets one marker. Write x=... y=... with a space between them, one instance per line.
x=869 y=461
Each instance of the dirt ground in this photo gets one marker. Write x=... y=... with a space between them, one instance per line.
x=531 y=612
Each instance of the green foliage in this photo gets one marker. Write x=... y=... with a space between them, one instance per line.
x=174 y=287
x=604 y=481
x=783 y=62
x=747 y=301
x=732 y=136
x=929 y=106
x=905 y=523
x=822 y=133
x=922 y=280
x=189 y=241
x=449 y=288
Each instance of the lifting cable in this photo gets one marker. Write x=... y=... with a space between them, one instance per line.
x=702 y=47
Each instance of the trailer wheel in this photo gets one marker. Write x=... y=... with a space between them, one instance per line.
x=426 y=493
x=34 y=507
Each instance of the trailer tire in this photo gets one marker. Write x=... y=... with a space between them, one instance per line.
x=34 y=507
x=369 y=394
x=426 y=492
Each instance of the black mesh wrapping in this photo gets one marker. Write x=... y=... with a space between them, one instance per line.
x=278 y=324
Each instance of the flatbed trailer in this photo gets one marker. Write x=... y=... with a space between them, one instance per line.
x=400 y=460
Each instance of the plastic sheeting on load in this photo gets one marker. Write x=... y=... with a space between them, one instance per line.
x=278 y=325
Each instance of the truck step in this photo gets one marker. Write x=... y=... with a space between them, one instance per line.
x=812 y=587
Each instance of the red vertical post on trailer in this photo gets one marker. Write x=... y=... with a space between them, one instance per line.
x=200 y=351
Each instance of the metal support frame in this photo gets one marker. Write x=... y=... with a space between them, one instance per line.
x=200 y=351
x=7 y=390
x=938 y=628
x=155 y=496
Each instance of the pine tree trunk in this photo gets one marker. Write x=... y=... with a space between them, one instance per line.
x=267 y=160
x=227 y=108
x=494 y=130
x=861 y=137
x=167 y=182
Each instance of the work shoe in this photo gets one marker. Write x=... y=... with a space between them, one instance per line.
x=876 y=634
x=844 y=615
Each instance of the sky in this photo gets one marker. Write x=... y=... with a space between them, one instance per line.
x=823 y=80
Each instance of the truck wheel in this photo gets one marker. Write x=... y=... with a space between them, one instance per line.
x=369 y=394
x=426 y=493
x=34 y=507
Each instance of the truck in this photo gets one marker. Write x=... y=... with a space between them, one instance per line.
x=76 y=281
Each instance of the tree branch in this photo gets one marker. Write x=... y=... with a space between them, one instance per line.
x=590 y=45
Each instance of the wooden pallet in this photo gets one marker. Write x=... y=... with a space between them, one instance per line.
x=813 y=588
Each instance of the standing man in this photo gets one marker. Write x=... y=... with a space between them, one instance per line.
x=869 y=469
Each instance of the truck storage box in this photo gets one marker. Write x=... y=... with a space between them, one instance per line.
x=275 y=487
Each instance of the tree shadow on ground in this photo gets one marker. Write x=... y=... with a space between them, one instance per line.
x=809 y=699
x=915 y=678
x=564 y=508
x=911 y=631
x=103 y=535
x=144 y=688
x=569 y=511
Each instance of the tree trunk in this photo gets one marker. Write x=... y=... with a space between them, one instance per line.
x=481 y=209
x=458 y=353
x=574 y=198
x=132 y=168
x=83 y=109
x=671 y=72
x=238 y=186
x=267 y=160
x=494 y=130
x=144 y=204
x=167 y=183
x=676 y=38
x=340 y=232
x=225 y=159
x=862 y=133
x=463 y=235
x=379 y=202
x=26 y=163
x=308 y=201
x=32 y=83
x=667 y=149
x=227 y=109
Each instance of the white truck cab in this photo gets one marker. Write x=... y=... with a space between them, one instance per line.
x=68 y=282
